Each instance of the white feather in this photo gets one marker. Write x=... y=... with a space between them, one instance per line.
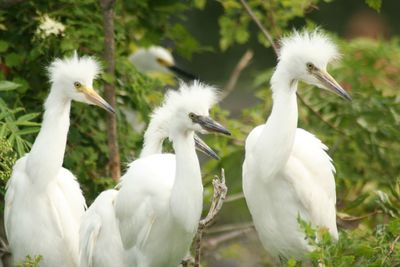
x=286 y=172
x=43 y=202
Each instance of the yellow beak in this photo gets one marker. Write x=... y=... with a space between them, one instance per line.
x=96 y=99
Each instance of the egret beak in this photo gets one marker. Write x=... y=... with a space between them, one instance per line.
x=203 y=147
x=182 y=72
x=96 y=99
x=329 y=83
x=210 y=125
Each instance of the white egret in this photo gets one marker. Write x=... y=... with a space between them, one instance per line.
x=43 y=202
x=287 y=172
x=158 y=59
x=152 y=220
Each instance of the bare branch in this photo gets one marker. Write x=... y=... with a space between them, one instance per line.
x=229 y=227
x=392 y=247
x=109 y=56
x=240 y=66
x=260 y=26
x=215 y=241
x=220 y=191
x=234 y=197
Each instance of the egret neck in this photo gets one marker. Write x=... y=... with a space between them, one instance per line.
x=47 y=154
x=187 y=193
x=277 y=137
x=153 y=139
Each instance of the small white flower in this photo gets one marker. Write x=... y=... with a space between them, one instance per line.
x=49 y=26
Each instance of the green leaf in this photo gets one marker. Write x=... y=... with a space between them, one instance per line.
x=13 y=59
x=374 y=4
x=8 y=86
x=3 y=46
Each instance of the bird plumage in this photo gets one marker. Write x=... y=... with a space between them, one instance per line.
x=43 y=202
x=157 y=209
x=287 y=172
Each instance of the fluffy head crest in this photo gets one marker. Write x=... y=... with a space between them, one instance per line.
x=197 y=98
x=74 y=68
x=315 y=47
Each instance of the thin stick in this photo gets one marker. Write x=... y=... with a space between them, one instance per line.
x=240 y=66
x=262 y=28
x=220 y=191
x=392 y=246
x=214 y=242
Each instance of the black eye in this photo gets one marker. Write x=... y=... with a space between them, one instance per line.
x=192 y=115
x=77 y=84
x=310 y=66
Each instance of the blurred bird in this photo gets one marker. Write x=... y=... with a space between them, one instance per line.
x=157 y=59
x=152 y=220
x=287 y=172
x=43 y=201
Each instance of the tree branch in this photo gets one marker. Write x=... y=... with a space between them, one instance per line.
x=109 y=57
x=260 y=26
x=392 y=247
x=220 y=191
x=240 y=66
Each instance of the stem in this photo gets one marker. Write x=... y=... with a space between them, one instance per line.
x=220 y=191
x=109 y=56
x=240 y=66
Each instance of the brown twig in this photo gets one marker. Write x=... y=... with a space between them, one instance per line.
x=229 y=227
x=234 y=197
x=392 y=246
x=240 y=66
x=215 y=241
x=262 y=28
x=220 y=191
x=276 y=50
x=109 y=56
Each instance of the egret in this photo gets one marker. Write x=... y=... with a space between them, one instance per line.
x=158 y=59
x=43 y=202
x=287 y=172
x=153 y=218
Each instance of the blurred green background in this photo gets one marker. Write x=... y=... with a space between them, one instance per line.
x=209 y=38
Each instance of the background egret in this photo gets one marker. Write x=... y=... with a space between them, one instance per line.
x=43 y=202
x=286 y=171
x=158 y=59
x=155 y=203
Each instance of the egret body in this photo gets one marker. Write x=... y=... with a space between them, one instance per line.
x=287 y=172
x=43 y=201
x=153 y=218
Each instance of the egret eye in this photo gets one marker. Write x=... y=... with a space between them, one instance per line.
x=77 y=85
x=192 y=116
x=162 y=62
x=310 y=66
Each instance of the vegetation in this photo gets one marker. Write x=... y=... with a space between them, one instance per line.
x=363 y=136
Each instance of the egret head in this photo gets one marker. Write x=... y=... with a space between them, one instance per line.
x=156 y=59
x=305 y=56
x=73 y=77
x=187 y=110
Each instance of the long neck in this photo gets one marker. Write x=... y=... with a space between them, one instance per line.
x=187 y=192
x=46 y=156
x=276 y=140
x=153 y=139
